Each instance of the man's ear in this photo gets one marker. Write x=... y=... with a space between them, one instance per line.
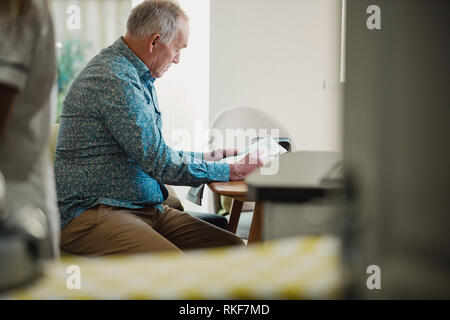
x=154 y=40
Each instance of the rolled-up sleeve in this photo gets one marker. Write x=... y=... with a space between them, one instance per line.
x=131 y=120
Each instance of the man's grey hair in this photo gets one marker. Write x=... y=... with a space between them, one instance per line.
x=155 y=16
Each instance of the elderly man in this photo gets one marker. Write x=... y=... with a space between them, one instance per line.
x=111 y=161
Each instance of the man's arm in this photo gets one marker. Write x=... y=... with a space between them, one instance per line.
x=240 y=170
x=132 y=122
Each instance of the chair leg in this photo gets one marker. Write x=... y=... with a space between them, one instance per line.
x=235 y=214
x=216 y=202
x=255 y=234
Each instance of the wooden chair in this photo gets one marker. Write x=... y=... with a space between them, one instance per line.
x=237 y=190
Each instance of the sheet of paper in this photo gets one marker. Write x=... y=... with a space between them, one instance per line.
x=267 y=147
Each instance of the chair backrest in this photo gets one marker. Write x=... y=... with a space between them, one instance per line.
x=245 y=118
x=254 y=123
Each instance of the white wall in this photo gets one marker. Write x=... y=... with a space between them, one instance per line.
x=276 y=56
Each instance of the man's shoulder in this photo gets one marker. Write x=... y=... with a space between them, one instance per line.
x=110 y=65
x=106 y=71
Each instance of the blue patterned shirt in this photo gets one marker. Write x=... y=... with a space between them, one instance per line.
x=110 y=147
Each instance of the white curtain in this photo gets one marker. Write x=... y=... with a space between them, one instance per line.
x=101 y=21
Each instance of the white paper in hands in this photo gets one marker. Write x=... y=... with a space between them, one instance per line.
x=267 y=147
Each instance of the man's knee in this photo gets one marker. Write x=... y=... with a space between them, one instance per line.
x=214 y=219
x=233 y=240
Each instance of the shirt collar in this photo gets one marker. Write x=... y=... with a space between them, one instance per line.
x=143 y=71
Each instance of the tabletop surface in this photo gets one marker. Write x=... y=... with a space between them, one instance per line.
x=297 y=177
x=231 y=188
x=302 y=170
x=296 y=170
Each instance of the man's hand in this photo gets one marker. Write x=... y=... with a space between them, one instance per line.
x=219 y=154
x=244 y=167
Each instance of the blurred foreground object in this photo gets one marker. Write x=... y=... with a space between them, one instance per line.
x=295 y=268
x=23 y=242
x=29 y=220
x=396 y=149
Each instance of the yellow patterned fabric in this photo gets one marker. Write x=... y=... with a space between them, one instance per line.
x=296 y=268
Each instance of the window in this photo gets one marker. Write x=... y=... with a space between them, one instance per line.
x=82 y=29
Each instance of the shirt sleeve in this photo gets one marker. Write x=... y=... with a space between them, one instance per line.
x=18 y=41
x=132 y=122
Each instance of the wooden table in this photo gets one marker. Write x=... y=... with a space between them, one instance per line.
x=238 y=191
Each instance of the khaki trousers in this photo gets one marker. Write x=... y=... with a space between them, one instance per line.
x=106 y=230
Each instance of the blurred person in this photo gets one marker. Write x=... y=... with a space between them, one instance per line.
x=111 y=160
x=27 y=73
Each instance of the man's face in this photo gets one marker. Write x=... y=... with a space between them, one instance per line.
x=166 y=54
